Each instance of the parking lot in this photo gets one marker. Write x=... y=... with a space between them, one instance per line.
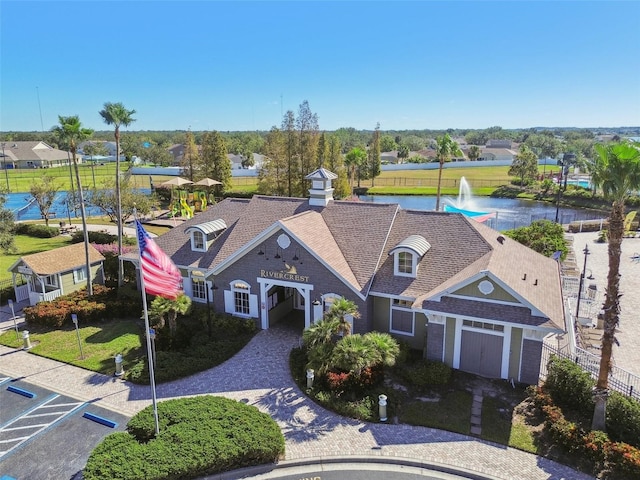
x=46 y=435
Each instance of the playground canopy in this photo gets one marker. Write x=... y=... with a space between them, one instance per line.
x=208 y=182
x=176 y=182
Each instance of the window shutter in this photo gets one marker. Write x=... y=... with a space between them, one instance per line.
x=229 y=306
x=253 y=306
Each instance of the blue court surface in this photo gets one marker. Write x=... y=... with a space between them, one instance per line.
x=45 y=435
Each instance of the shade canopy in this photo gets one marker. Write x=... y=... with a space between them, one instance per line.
x=208 y=182
x=176 y=182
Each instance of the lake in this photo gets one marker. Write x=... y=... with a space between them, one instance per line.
x=510 y=213
x=24 y=208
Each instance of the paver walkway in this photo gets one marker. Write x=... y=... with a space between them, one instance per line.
x=259 y=375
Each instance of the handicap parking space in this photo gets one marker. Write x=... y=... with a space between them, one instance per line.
x=48 y=435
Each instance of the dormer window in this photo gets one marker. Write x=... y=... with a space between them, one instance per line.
x=405 y=263
x=203 y=234
x=197 y=241
x=407 y=255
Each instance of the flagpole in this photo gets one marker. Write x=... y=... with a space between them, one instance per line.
x=146 y=329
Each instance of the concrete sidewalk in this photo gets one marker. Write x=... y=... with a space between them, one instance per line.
x=627 y=354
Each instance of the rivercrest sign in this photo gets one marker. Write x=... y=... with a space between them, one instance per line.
x=284 y=275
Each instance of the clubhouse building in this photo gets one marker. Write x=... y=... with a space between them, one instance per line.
x=441 y=282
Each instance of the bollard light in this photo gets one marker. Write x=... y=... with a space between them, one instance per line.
x=119 y=369
x=25 y=340
x=382 y=407
x=310 y=376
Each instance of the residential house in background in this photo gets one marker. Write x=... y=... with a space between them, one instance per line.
x=32 y=154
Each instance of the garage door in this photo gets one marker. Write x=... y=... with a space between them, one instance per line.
x=481 y=354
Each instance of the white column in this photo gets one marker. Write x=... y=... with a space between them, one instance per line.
x=506 y=352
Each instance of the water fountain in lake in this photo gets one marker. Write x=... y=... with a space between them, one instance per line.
x=465 y=205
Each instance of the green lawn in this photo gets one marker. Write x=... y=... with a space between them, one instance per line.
x=499 y=425
x=452 y=412
x=100 y=344
x=27 y=245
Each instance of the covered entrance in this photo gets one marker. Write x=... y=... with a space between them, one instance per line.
x=278 y=298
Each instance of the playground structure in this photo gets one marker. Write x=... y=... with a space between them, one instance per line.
x=464 y=204
x=186 y=204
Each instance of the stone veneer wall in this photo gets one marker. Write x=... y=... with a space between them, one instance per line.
x=435 y=341
x=531 y=356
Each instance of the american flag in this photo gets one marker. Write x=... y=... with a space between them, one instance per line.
x=160 y=275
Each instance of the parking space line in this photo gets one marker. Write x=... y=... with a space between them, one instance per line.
x=6 y=436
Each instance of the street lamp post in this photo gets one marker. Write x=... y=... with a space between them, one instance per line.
x=584 y=271
x=6 y=170
x=559 y=189
x=74 y=319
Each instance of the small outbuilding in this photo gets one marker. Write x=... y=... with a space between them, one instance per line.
x=47 y=275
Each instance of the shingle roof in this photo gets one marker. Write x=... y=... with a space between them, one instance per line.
x=355 y=239
x=454 y=246
x=60 y=260
x=32 y=150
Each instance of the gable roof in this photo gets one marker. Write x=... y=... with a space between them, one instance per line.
x=59 y=260
x=354 y=240
x=33 y=150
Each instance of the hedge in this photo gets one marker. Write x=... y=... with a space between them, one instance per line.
x=36 y=230
x=198 y=436
x=104 y=302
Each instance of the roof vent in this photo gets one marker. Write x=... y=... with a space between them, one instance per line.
x=536 y=282
x=524 y=277
x=501 y=239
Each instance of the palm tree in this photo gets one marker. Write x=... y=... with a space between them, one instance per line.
x=71 y=132
x=353 y=161
x=116 y=114
x=340 y=309
x=165 y=311
x=386 y=346
x=354 y=354
x=446 y=148
x=618 y=167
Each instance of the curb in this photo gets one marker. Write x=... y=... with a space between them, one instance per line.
x=282 y=467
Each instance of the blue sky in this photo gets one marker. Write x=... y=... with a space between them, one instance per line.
x=213 y=65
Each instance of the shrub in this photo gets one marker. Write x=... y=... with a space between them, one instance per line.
x=198 y=436
x=623 y=419
x=620 y=458
x=103 y=302
x=570 y=386
x=426 y=372
x=192 y=350
x=35 y=230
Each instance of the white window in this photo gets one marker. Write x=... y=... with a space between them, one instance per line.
x=198 y=288
x=198 y=241
x=241 y=298
x=405 y=263
x=52 y=281
x=401 y=322
x=80 y=275
x=402 y=317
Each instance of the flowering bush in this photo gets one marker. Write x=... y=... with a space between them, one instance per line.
x=104 y=301
x=620 y=458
